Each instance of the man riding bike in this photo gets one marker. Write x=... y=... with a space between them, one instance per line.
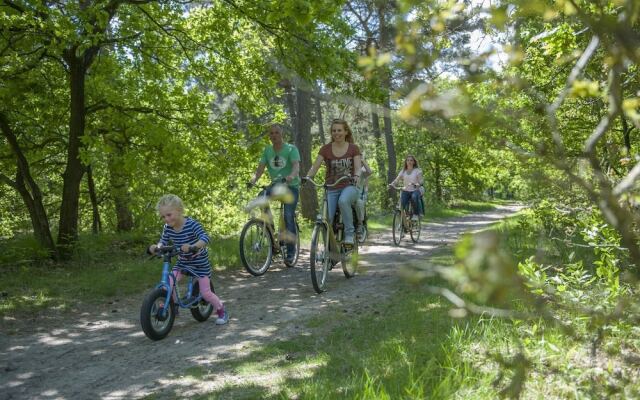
x=282 y=161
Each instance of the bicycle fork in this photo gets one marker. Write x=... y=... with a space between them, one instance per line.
x=166 y=284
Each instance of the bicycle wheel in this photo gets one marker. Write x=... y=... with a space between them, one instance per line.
x=319 y=257
x=415 y=230
x=256 y=247
x=202 y=311
x=154 y=324
x=397 y=227
x=365 y=233
x=297 y=251
x=350 y=261
x=363 y=229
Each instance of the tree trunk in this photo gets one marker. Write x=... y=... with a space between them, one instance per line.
x=323 y=140
x=437 y=176
x=291 y=107
x=386 y=44
x=96 y=225
x=380 y=161
x=391 y=152
x=29 y=190
x=38 y=216
x=119 y=185
x=626 y=134
x=124 y=215
x=68 y=227
x=308 y=196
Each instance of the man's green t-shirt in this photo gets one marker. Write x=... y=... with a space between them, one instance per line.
x=280 y=164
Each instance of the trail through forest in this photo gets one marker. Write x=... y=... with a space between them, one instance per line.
x=101 y=352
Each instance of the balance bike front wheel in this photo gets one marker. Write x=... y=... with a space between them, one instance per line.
x=154 y=324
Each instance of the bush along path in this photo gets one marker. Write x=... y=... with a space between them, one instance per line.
x=101 y=353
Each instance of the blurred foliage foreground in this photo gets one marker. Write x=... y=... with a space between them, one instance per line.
x=560 y=277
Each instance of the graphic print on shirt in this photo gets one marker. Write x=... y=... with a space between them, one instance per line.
x=278 y=162
x=341 y=167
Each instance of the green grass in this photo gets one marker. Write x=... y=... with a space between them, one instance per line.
x=524 y=238
x=410 y=348
x=458 y=208
x=407 y=348
x=381 y=221
x=104 y=268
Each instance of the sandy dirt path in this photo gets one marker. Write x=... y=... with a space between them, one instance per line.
x=103 y=353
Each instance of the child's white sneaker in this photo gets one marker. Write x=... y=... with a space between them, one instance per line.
x=223 y=317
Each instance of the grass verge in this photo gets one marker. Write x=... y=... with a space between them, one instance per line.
x=411 y=348
x=408 y=347
x=105 y=267
x=460 y=208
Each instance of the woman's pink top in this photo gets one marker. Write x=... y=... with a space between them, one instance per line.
x=409 y=178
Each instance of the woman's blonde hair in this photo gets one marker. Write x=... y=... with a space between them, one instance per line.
x=170 y=200
x=349 y=136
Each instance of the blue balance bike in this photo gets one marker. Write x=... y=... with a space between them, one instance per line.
x=159 y=309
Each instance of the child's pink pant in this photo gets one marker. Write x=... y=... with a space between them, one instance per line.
x=205 y=289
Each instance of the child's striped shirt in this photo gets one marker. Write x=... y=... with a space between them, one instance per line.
x=198 y=263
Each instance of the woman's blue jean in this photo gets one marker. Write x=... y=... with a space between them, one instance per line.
x=345 y=198
x=414 y=196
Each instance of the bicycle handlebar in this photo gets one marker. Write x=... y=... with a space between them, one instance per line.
x=278 y=192
x=308 y=179
x=171 y=249
x=401 y=187
x=281 y=180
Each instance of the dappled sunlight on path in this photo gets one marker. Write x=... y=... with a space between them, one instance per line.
x=102 y=352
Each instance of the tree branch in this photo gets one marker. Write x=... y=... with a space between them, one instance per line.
x=626 y=184
x=575 y=72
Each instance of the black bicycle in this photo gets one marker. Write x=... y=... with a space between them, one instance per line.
x=405 y=222
x=327 y=247
x=363 y=231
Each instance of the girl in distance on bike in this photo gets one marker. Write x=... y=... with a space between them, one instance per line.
x=341 y=157
x=187 y=233
x=413 y=180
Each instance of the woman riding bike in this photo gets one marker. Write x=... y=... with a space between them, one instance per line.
x=341 y=158
x=412 y=180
